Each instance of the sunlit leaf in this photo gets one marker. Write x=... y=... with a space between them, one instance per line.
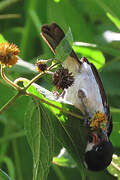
x=114 y=167
x=114 y=19
x=2 y=39
x=64 y=159
x=95 y=56
x=69 y=131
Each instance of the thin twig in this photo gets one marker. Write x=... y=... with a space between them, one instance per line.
x=8 y=80
x=34 y=80
x=40 y=75
x=57 y=107
x=10 y=16
x=20 y=79
x=6 y=3
x=12 y=136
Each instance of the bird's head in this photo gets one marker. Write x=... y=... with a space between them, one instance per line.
x=99 y=152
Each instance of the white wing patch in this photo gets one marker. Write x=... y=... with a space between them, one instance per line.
x=85 y=81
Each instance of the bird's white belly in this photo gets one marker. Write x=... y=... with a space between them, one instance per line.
x=86 y=82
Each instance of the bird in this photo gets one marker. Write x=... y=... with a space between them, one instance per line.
x=87 y=93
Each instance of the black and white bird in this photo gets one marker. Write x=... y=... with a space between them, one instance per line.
x=87 y=94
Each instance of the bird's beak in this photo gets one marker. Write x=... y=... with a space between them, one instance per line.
x=99 y=136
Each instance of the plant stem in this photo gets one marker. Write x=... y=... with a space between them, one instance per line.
x=10 y=102
x=29 y=30
x=4 y=147
x=17 y=160
x=8 y=80
x=34 y=79
x=10 y=16
x=57 y=107
x=6 y=3
x=10 y=137
x=40 y=75
x=59 y=172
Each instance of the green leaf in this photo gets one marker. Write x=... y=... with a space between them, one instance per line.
x=65 y=47
x=113 y=65
x=114 y=19
x=114 y=167
x=115 y=135
x=39 y=132
x=110 y=81
x=64 y=159
x=111 y=9
x=95 y=56
x=4 y=176
x=2 y=39
x=71 y=17
x=69 y=131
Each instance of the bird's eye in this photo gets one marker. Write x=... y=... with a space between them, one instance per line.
x=98 y=148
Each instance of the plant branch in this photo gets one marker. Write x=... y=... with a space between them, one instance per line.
x=57 y=107
x=8 y=80
x=12 y=136
x=10 y=16
x=40 y=75
x=22 y=91
x=34 y=79
x=6 y=3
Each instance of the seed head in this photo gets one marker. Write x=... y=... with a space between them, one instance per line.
x=41 y=65
x=8 y=54
x=62 y=79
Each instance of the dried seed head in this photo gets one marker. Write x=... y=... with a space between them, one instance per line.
x=62 y=79
x=41 y=65
x=99 y=120
x=8 y=54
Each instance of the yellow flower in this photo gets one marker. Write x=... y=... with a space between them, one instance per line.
x=8 y=54
x=99 y=120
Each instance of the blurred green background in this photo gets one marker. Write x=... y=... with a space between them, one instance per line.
x=95 y=26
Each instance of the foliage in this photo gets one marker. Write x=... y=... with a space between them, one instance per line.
x=47 y=129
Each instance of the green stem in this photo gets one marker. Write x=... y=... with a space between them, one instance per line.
x=28 y=35
x=12 y=136
x=4 y=147
x=82 y=172
x=8 y=80
x=10 y=102
x=17 y=160
x=58 y=172
x=40 y=75
x=33 y=80
x=35 y=19
x=10 y=16
x=6 y=3
x=57 y=107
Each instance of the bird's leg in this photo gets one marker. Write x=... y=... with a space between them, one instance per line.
x=82 y=94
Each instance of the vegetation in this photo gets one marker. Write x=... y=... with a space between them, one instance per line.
x=33 y=125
